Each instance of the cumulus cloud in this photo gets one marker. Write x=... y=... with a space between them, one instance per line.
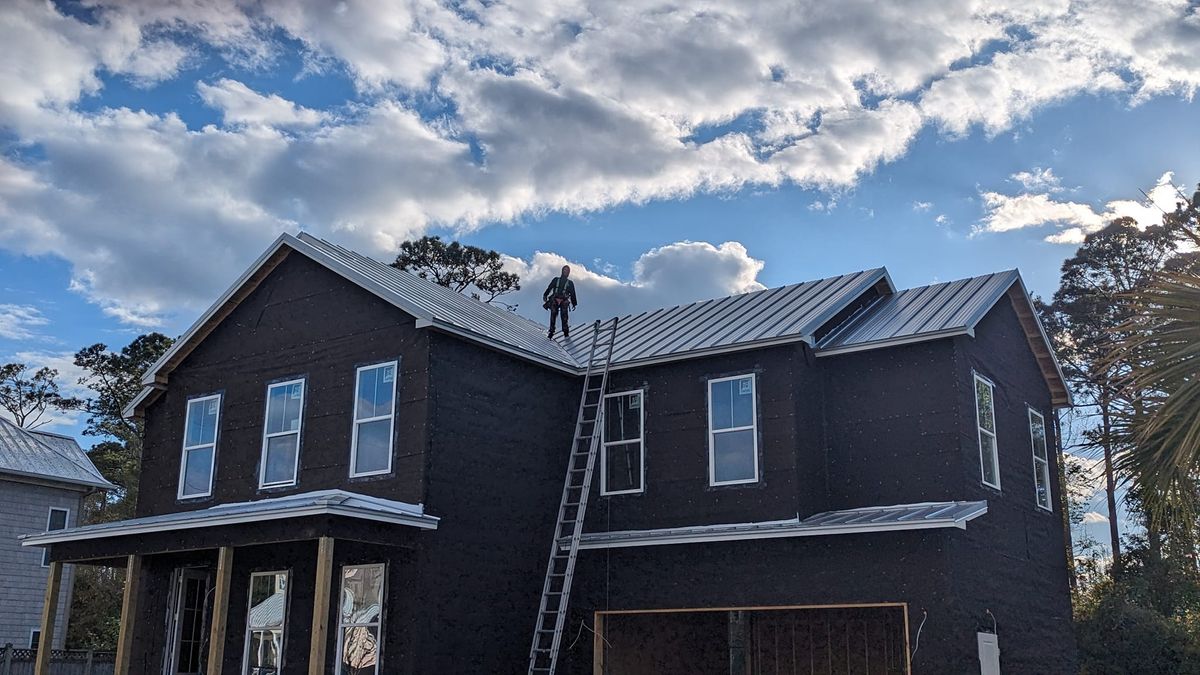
x=669 y=275
x=240 y=104
x=1093 y=518
x=1073 y=220
x=473 y=113
x=17 y=322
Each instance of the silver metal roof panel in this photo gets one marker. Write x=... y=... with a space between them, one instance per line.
x=48 y=456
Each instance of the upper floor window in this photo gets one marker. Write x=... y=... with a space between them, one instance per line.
x=1041 y=459
x=281 y=434
x=199 y=446
x=57 y=520
x=732 y=431
x=622 y=455
x=985 y=418
x=265 y=623
x=360 y=619
x=374 y=413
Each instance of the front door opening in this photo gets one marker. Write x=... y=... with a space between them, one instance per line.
x=190 y=615
x=857 y=640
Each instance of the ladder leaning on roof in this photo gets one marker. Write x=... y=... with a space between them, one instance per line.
x=568 y=527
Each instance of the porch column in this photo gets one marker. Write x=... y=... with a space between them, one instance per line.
x=220 y=610
x=133 y=579
x=49 y=614
x=320 y=618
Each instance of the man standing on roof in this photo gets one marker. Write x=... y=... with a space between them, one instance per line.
x=559 y=293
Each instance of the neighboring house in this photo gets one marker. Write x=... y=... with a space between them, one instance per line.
x=43 y=480
x=348 y=469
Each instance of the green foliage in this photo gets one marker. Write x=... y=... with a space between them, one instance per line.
x=115 y=377
x=465 y=269
x=28 y=394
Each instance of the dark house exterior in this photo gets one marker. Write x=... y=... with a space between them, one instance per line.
x=349 y=469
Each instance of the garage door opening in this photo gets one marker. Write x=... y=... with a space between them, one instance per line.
x=841 y=640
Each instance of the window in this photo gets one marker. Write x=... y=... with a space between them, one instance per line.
x=733 y=432
x=374 y=405
x=1041 y=459
x=281 y=434
x=360 y=619
x=621 y=455
x=190 y=621
x=57 y=520
x=985 y=418
x=199 y=446
x=35 y=638
x=264 y=623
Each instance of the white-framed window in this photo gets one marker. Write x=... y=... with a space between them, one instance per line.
x=622 y=454
x=281 y=434
x=1041 y=459
x=360 y=619
x=35 y=637
x=985 y=419
x=265 y=619
x=732 y=430
x=374 y=419
x=199 y=446
x=57 y=519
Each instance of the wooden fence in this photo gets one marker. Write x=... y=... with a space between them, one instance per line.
x=15 y=661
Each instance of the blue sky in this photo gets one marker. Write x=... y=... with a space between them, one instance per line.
x=670 y=152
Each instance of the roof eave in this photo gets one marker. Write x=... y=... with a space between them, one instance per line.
x=98 y=485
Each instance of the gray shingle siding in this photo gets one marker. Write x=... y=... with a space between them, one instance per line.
x=24 y=508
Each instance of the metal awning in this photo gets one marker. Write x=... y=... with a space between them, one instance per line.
x=900 y=517
x=318 y=503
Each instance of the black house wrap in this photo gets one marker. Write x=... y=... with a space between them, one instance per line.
x=856 y=405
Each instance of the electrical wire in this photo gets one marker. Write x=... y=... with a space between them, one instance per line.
x=917 y=641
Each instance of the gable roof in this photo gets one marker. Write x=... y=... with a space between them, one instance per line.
x=788 y=314
x=40 y=454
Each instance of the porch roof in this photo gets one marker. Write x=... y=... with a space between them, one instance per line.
x=922 y=516
x=317 y=503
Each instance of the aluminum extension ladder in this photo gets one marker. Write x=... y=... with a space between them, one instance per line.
x=564 y=547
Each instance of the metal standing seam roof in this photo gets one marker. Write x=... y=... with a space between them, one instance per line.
x=792 y=312
x=900 y=517
x=47 y=456
x=316 y=503
x=954 y=307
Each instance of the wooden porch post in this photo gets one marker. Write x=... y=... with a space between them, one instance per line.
x=320 y=618
x=133 y=578
x=598 y=644
x=49 y=614
x=220 y=610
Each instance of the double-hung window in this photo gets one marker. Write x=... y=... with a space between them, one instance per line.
x=199 y=447
x=1041 y=459
x=360 y=619
x=57 y=520
x=265 y=621
x=985 y=418
x=281 y=434
x=622 y=455
x=374 y=417
x=732 y=431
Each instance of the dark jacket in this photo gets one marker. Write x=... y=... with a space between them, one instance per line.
x=559 y=289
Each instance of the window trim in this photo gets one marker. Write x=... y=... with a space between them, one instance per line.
x=378 y=622
x=712 y=465
x=212 y=463
x=66 y=525
x=980 y=431
x=1045 y=469
x=391 y=417
x=287 y=597
x=641 y=440
x=266 y=438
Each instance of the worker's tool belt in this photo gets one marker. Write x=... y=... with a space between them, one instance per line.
x=555 y=301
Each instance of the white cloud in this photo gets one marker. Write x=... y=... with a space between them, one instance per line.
x=1005 y=213
x=1093 y=518
x=669 y=275
x=17 y=322
x=240 y=104
x=921 y=207
x=571 y=106
x=1038 y=180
